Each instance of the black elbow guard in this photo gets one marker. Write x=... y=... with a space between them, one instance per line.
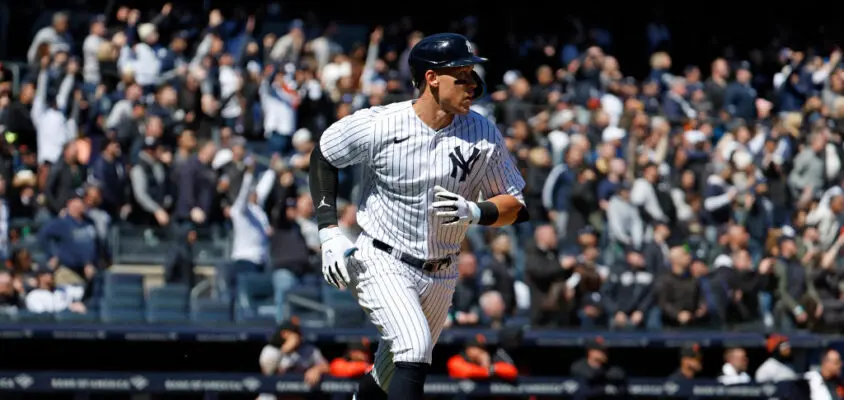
x=323 y=184
x=522 y=216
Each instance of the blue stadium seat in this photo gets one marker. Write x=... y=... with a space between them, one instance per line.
x=112 y=278
x=210 y=311
x=257 y=320
x=116 y=315
x=333 y=297
x=123 y=290
x=253 y=290
x=122 y=301
x=210 y=317
x=255 y=286
x=312 y=320
x=169 y=297
x=349 y=316
x=29 y=316
x=166 y=316
x=347 y=312
x=517 y=321
x=210 y=305
x=69 y=316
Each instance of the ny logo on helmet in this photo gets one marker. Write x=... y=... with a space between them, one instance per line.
x=469 y=46
x=464 y=165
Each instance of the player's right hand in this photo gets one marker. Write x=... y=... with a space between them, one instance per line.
x=336 y=250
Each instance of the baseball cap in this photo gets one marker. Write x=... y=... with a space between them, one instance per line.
x=478 y=340
x=596 y=343
x=362 y=345
x=776 y=342
x=690 y=351
x=291 y=325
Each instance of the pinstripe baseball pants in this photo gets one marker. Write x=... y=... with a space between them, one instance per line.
x=407 y=305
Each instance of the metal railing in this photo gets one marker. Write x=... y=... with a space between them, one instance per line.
x=18 y=69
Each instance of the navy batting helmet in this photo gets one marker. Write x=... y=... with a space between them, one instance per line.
x=443 y=50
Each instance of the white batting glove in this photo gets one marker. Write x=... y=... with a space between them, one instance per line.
x=453 y=209
x=336 y=249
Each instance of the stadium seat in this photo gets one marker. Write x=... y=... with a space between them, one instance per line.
x=210 y=311
x=69 y=316
x=312 y=320
x=169 y=297
x=333 y=297
x=210 y=305
x=29 y=316
x=347 y=312
x=123 y=289
x=112 y=278
x=166 y=316
x=122 y=301
x=115 y=315
x=257 y=320
x=253 y=290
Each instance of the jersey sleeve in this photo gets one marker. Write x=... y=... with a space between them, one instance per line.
x=501 y=175
x=348 y=141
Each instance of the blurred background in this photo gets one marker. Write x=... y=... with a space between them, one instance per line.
x=683 y=168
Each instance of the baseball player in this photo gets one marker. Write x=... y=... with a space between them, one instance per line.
x=426 y=165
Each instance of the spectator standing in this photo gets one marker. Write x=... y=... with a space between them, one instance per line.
x=54 y=38
x=678 y=293
x=197 y=187
x=466 y=292
x=71 y=245
x=251 y=226
x=798 y=303
x=547 y=277
x=629 y=294
x=109 y=173
x=150 y=186
x=181 y=259
x=66 y=177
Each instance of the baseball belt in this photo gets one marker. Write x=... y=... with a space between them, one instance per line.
x=418 y=263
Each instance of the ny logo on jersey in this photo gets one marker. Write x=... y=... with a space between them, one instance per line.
x=459 y=162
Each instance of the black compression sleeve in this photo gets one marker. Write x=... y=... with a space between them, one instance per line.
x=323 y=182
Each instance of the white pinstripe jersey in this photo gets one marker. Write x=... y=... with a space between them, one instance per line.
x=403 y=159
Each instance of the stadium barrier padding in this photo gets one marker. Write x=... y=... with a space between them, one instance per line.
x=175 y=383
x=532 y=338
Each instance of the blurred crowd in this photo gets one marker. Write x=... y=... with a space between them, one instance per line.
x=703 y=197
x=288 y=353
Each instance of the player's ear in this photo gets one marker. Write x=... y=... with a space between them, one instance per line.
x=431 y=79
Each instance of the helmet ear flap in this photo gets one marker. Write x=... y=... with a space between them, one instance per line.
x=480 y=87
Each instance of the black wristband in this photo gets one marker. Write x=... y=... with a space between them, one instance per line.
x=489 y=213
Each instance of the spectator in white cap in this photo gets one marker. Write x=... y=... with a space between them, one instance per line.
x=561 y=124
x=303 y=144
x=145 y=58
x=613 y=134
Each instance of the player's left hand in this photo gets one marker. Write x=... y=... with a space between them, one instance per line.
x=453 y=209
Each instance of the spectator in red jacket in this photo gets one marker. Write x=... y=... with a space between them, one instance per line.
x=476 y=362
x=356 y=362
